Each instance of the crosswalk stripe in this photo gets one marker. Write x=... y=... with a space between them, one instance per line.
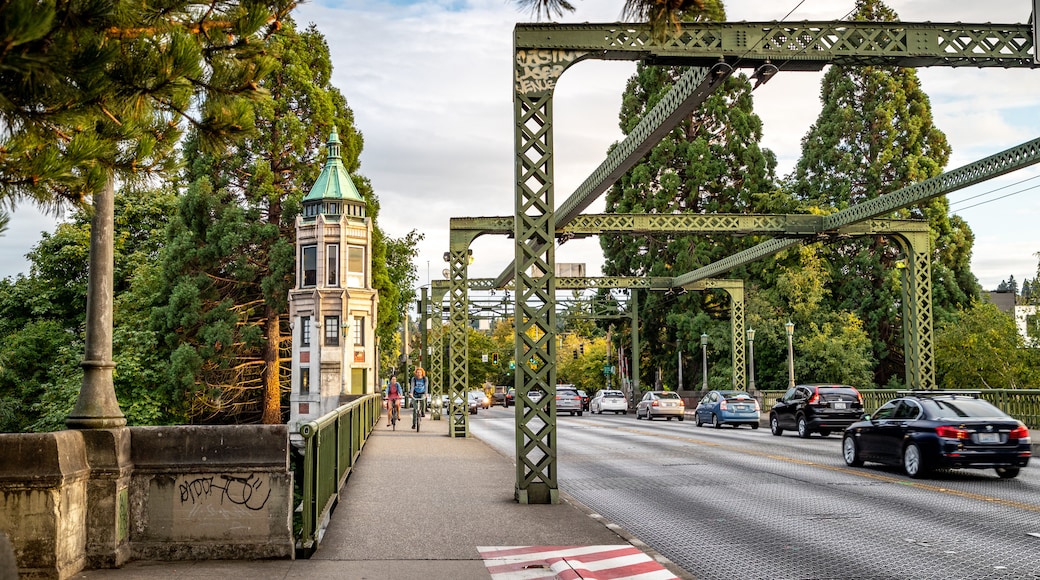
x=617 y=562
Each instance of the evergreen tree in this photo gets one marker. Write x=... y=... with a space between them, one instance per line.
x=709 y=163
x=230 y=260
x=875 y=135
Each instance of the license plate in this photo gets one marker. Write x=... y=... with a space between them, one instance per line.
x=989 y=438
x=840 y=405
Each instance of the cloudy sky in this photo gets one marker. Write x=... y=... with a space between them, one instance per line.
x=430 y=87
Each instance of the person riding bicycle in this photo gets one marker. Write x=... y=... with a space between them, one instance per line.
x=419 y=392
x=393 y=395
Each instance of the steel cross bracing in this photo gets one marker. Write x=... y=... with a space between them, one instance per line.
x=543 y=52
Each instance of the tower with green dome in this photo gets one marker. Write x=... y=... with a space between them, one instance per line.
x=333 y=306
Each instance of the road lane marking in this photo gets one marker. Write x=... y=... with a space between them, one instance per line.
x=851 y=471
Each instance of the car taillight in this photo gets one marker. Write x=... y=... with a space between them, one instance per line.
x=815 y=398
x=951 y=432
x=1020 y=432
x=722 y=405
x=654 y=404
x=757 y=406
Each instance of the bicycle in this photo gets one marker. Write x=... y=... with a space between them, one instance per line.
x=418 y=410
x=393 y=411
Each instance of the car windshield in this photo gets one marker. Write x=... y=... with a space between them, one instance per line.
x=667 y=395
x=959 y=408
x=567 y=392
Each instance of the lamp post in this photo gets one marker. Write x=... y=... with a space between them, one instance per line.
x=790 y=353
x=704 y=360
x=751 y=359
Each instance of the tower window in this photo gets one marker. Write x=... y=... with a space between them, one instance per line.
x=332 y=331
x=332 y=265
x=356 y=266
x=359 y=331
x=309 y=266
x=305 y=331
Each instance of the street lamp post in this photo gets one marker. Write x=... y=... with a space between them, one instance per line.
x=751 y=359
x=790 y=353
x=704 y=360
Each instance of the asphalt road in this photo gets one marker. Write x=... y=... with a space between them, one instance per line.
x=742 y=503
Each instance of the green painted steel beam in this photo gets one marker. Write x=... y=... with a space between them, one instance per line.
x=794 y=45
x=1013 y=159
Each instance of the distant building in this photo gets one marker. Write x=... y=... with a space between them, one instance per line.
x=333 y=306
x=1025 y=316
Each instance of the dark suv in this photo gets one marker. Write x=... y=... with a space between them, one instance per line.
x=819 y=409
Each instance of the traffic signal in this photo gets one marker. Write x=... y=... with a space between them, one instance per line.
x=581 y=349
x=494 y=358
x=575 y=354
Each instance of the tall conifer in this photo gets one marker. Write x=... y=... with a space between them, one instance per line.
x=875 y=135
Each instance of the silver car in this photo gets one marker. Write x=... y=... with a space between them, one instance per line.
x=665 y=404
x=568 y=400
x=608 y=401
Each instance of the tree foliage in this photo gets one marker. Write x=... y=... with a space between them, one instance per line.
x=875 y=135
x=982 y=349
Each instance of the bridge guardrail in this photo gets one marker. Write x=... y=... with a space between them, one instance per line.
x=1022 y=404
x=332 y=444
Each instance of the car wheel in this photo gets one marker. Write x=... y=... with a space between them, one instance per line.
x=803 y=428
x=697 y=419
x=913 y=461
x=774 y=425
x=715 y=421
x=1007 y=472
x=649 y=415
x=754 y=425
x=682 y=417
x=579 y=413
x=850 y=452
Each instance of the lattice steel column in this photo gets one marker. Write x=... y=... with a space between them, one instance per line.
x=458 y=343
x=917 y=310
x=735 y=289
x=436 y=370
x=536 y=72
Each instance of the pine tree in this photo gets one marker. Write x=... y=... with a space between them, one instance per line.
x=710 y=163
x=875 y=135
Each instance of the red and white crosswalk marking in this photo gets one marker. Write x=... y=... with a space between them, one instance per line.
x=621 y=562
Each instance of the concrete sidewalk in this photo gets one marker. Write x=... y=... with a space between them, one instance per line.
x=418 y=505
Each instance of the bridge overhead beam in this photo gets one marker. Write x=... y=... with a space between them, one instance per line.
x=797 y=45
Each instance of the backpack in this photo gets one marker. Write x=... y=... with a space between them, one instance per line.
x=419 y=386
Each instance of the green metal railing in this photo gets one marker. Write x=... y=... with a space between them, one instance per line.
x=1022 y=404
x=332 y=444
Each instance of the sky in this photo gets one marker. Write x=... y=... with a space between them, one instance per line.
x=430 y=86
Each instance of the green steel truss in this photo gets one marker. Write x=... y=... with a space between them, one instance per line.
x=788 y=45
x=542 y=52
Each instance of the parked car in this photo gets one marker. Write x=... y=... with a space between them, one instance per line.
x=585 y=399
x=609 y=401
x=817 y=408
x=568 y=401
x=922 y=431
x=728 y=408
x=665 y=404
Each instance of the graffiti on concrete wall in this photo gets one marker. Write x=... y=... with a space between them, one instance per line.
x=251 y=491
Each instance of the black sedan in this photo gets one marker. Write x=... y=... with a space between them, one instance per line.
x=926 y=430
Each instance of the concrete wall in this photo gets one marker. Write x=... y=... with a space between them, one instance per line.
x=43 y=501
x=219 y=492
x=97 y=498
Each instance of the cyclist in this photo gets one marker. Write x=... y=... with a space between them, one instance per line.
x=393 y=394
x=419 y=392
